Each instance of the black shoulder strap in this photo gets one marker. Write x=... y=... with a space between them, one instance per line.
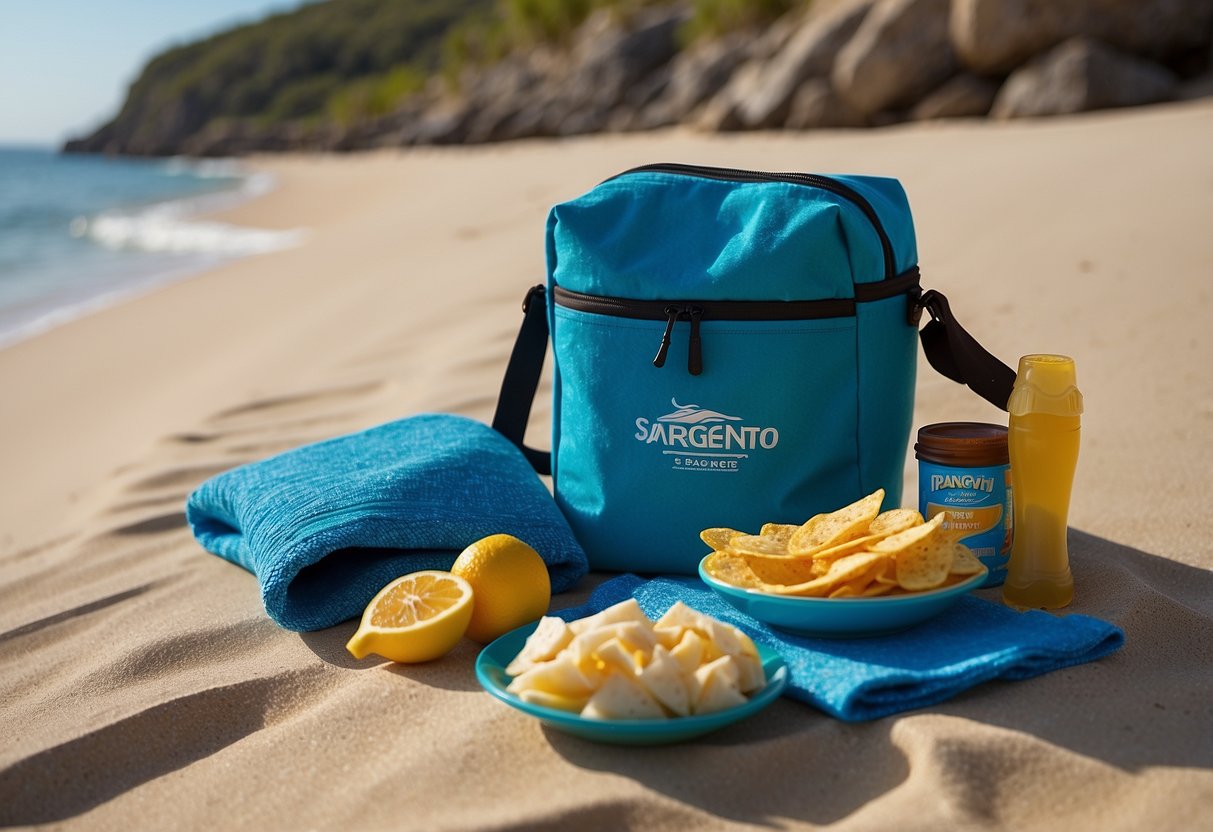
x=949 y=348
x=956 y=354
x=522 y=379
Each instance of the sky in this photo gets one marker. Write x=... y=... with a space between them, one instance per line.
x=65 y=65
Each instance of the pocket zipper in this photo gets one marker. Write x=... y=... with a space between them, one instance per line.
x=696 y=311
x=694 y=349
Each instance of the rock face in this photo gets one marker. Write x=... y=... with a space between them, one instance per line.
x=995 y=36
x=836 y=63
x=607 y=61
x=900 y=53
x=722 y=111
x=964 y=96
x=693 y=77
x=1082 y=74
x=809 y=53
x=155 y=125
x=494 y=98
x=816 y=104
x=610 y=73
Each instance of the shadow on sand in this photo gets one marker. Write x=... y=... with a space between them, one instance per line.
x=1146 y=705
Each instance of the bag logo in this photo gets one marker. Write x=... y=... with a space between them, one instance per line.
x=693 y=414
x=696 y=438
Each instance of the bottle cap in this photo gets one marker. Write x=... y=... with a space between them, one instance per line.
x=1045 y=384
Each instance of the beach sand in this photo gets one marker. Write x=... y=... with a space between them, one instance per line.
x=142 y=686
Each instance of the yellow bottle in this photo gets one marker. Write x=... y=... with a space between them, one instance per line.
x=1043 y=432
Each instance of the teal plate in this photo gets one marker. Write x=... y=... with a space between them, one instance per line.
x=490 y=670
x=842 y=617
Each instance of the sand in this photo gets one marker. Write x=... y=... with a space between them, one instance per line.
x=142 y=686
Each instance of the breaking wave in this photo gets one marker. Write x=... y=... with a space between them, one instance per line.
x=174 y=227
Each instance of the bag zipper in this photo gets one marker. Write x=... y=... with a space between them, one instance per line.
x=813 y=180
x=696 y=310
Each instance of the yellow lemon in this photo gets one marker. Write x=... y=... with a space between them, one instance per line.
x=416 y=618
x=510 y=582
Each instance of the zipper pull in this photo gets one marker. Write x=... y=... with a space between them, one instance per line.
x=659 y=359
x=695 y=353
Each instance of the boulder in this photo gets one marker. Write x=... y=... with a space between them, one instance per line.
x=529 y=122
x=694 y=76
x=817 y=104
x=496 y=95
x=808 y=53
x=995 y=36
x=607 y=60
x=774 y=36
x=900 y=52
x=1082 y=74
x=445 y=122
x=964 y=96
x=721 y=111
x=380 y=131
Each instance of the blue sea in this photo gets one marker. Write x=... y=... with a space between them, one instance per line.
x=81 y=232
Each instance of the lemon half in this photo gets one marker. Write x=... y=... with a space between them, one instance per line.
x=415 y=618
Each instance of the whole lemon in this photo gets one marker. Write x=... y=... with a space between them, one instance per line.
x=510 y=585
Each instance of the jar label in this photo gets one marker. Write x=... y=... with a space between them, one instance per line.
x=978 y=502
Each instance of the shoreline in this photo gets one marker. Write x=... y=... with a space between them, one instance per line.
x=165 y=241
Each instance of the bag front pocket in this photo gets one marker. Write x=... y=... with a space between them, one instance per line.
x=672 y=417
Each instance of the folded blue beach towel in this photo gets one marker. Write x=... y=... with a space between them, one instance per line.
x=859 y=679
x=325 y=526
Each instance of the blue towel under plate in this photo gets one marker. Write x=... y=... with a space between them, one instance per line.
x=858 y=679
x=325 y=526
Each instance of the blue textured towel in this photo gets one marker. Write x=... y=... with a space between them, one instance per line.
x=325 y=526
x=858 y=679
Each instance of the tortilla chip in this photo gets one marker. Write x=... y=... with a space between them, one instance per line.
x=964 y=562
x=925 y=564
x=719 y=538
x=779 y=531
x=787 y=571
x=732 y=569
x=753 y=544
x=849 y=522
x=895 y=520
x=842 y=570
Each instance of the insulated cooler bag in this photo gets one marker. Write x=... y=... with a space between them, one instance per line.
x=730 y=348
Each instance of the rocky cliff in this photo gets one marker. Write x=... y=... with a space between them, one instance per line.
x=836 y=63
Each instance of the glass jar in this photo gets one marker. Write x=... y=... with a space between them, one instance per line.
x=964 y=469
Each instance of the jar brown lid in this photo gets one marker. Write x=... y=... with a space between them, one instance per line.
x=968 y=444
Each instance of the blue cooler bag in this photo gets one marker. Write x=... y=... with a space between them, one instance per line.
x=731 y=348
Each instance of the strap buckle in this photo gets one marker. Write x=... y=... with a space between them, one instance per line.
x=915 y=306
x=538 y=289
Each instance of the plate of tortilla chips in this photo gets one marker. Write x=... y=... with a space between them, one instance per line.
x=856 y=571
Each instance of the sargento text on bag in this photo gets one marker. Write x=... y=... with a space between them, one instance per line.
x=722 y=437
x=692 y=426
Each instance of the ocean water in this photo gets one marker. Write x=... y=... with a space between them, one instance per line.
x=81 y=232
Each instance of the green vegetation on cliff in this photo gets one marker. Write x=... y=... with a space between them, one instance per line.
x=338 y=64
x=513 y=25
x=339 y=61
